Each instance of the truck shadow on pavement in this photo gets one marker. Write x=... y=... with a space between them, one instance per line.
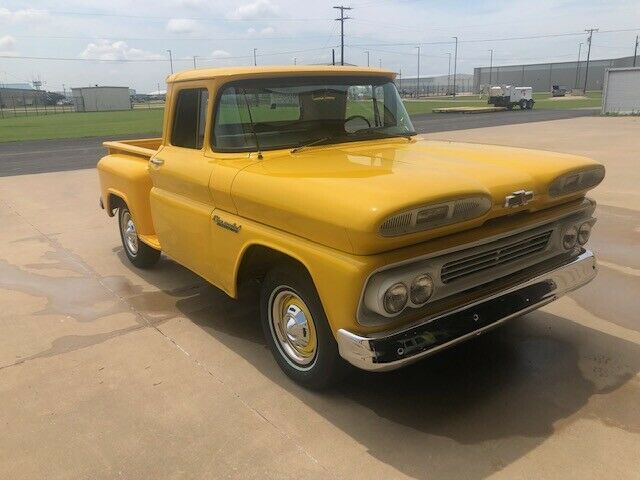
x=465 y=413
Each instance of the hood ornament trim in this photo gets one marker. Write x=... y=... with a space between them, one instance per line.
x=518 y=198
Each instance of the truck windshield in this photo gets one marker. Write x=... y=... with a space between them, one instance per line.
x=292 y=112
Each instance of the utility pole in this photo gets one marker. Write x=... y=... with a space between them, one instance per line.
x=194 y=62
x=635 y=52
x=418 y=80
x=333 y=56
x=578 y=65
x=255 y=61
x=170 y=60
x=490 y=65
x=400 y=78
x=380 y=62
x=455 y=67
x=341 y=20
x=586 y=72
x=367 y=58
x=295 y=60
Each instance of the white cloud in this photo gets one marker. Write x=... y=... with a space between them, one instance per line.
x=182 y=25
x=192 y=3
x=220 y=54
x=27 y=14
x=118 y=50
x=255 y=10
x=7 y=43
x=264 y=31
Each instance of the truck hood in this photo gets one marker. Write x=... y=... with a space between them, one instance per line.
x=339 y=195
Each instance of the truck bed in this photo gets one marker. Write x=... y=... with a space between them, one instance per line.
x=143 y=147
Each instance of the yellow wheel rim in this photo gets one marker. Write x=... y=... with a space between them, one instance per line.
x=293 y=327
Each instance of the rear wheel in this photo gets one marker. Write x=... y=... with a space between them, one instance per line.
x=138 y=253
x=296 y=328
x=523 y=104
x=529 y=104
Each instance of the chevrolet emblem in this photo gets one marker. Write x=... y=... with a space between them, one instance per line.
x=518 y=198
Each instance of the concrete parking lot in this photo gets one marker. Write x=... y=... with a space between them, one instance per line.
x=107 y=371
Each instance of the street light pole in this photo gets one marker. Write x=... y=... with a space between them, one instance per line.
x=418 y=79
x=455 y=67
x=490 y=66
x=586 y=72
x=255 y=61
x=449 y=74
x=578 y=65
x=170 y=60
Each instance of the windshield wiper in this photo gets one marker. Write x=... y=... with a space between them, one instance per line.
x=317 y=141
x=381 y=134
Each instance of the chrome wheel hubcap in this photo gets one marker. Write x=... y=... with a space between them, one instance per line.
x=129 y=233
x=293 y=327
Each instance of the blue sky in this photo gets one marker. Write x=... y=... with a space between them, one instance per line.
x=125 y=42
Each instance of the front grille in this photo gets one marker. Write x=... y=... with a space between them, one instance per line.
x=494 y=256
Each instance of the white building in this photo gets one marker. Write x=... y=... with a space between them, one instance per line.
x=621 y=91
x=101 y=99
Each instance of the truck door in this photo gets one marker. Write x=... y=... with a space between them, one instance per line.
x=181 y=203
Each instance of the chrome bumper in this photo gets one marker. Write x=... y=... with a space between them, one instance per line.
x=391 y=350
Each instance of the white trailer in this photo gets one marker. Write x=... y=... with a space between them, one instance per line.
x=509 y=96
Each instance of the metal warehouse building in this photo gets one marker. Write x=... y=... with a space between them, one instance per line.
x=621 y=91
x=101 y=99
x=543 y=76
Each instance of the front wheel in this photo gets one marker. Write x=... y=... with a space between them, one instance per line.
x=138 y=253
x=529 y=104
x=296 y=328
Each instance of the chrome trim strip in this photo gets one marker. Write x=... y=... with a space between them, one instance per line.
x=358 y=350
x=586 y=208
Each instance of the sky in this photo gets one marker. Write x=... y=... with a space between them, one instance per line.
x=85 y=42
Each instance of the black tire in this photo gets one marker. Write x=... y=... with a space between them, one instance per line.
x=529 y=104
x=142 y=255
x=326 y=366
x=523 y=104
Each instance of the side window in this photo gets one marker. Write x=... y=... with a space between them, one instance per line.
x=190 y=118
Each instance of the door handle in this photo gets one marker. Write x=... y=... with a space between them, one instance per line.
x=157 y=161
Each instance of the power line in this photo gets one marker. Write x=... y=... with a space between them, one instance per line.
x=155 y=60
x=484 y=40
x=173 y=39
x=203 y=19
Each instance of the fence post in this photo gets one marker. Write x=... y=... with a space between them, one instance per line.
x=24 y=104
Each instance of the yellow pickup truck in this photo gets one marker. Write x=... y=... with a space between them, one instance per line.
x=372 y=247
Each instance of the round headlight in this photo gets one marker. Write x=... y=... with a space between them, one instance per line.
x=395 y=298
x=584 y=232
x=570 y=238
x=421 y=289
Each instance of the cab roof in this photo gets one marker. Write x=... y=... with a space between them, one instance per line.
x=250 y=72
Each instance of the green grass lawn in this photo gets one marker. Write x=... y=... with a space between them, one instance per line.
x=149 y=121
x=76 y=125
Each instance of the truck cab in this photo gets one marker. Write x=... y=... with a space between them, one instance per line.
x=373 y=247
